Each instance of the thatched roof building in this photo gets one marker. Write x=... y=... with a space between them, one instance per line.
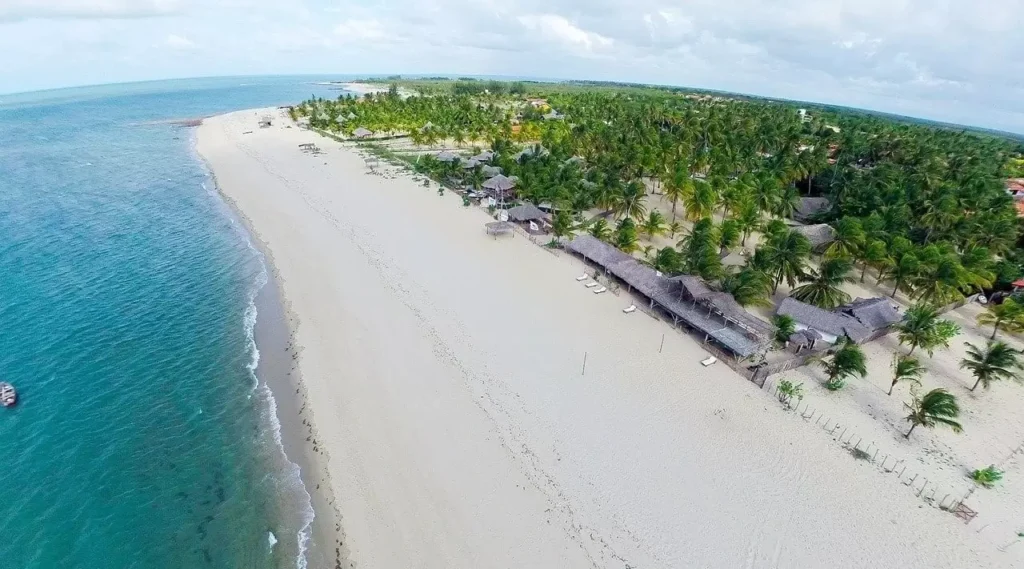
x=362 y=132
x=445 y=156
x=499 y=183
x=687 y=299
x=873 y=313
x=490 y=170
x=469 y=163
x=830 y=325
x=524 y=213
x=484 y=156
x=819 y=235
x=810 y=207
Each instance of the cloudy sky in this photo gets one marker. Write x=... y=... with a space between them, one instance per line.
x=960 y=61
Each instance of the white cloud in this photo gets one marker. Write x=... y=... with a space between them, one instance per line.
x=14 y=10
x=180 y=43
x=943 y=60
x=558 y=29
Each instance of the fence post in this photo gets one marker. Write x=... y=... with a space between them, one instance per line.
x=584 y=372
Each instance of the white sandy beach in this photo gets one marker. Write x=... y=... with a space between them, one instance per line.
x=443 y=372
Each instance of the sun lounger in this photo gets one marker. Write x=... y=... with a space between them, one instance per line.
x=631 y=308
x=583 y=277
x=600 y=290
x=710 y=361
x=591 y=284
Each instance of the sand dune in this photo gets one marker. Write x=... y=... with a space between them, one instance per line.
x=444 y=367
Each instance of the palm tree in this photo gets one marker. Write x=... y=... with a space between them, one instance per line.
x=905 y=368
x=823 y=290
x=785 y=327
x=630 y=201
x=561 y=225
x=849 y=360
x=600 y=229
x=625 y=235
x=654 y=224
x=997 y=361
x=728 y=235
x=849 y=237
x=1008 y=316
x=902 y=273
x=750 y=287
x=937 y=407
x=702 y=204
x=874 y=254
x=678 y=187
x=922 y=327
x=749 y=220
x=787 y=254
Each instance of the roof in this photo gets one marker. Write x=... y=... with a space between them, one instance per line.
x=809 y=207
x=525 y=212
x=726 y=322
x=490 y=170
x=1018 y=282
x=1014 y=185
x=484 y=156
x=470 y=163
x=445 y=156
x=498 y=227
x=834 y=323
x=873 y=313
x=361 y=132
x=819 y=235
x=798 y=339
x=499 y=183
x=596 y=250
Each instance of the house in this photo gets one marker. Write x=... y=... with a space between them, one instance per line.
x=820 y=235
x=362 y=132
x=524 y=213
x=862 y=320
x=810 y=207
x=829 y=325
x=1015 y=187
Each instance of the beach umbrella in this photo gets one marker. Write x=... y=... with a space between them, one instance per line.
x=499 y=183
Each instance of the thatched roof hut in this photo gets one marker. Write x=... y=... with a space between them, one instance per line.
x=499 y=183
x=819 y=235
x=362 y=132
x=445 y=156
x=833 y=324
x=873 y=313
x=490 y=170
x=810 y=207
x=469 y=163
x=524 y=213
x=484 y=156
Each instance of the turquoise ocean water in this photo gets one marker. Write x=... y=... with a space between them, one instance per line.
x=142 y=438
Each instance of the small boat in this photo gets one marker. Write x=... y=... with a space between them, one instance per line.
x=8 y=396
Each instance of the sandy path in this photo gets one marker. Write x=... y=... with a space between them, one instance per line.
x=443 y=369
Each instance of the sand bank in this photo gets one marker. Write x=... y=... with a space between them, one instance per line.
x=443 y=374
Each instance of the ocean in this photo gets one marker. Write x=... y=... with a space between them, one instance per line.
x=142 y=438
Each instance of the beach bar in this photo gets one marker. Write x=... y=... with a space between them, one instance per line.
x=686 y=299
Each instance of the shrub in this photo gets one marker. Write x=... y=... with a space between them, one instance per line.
x=788 y=390
x=987 y=476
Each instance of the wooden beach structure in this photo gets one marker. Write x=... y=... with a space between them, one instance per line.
x=8 y=395
x=686 y=299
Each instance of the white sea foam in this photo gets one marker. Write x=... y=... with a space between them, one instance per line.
x=292 y=478
x=271 y=539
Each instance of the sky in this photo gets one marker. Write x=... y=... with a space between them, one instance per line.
x=946 y=60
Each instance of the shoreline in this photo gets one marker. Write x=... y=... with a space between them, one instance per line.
x=617 y=468
x=278 y=369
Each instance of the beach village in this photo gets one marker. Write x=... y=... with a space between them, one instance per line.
x=860 y=272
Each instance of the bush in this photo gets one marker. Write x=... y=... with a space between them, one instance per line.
x=788 y=390
x=988 y=476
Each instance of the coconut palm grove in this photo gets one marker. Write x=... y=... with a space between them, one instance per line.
x=919 y=208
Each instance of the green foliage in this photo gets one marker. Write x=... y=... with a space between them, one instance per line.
x=599 y=229
x=785 y=327
x=937 y=407
x=653 y=225
x=786 y=253
x=1008 y=316
x=987 y=476
x=921 y=327
x=905 y=368
x=625 y=235
x=996 y=361
x=823 y=289
x=847 y=361
x=787 y=391
x=668 y=261
x=561 y=224
x=749 y=286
